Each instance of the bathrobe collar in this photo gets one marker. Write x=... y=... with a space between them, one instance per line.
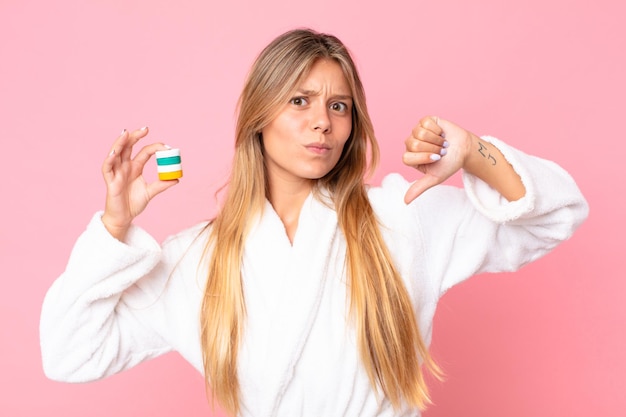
x=283 y=287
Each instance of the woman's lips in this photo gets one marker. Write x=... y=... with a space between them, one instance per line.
x=318 y=148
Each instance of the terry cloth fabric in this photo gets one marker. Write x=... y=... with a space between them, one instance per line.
x=118 y=304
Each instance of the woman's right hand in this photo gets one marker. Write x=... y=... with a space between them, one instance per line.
x=128 y=193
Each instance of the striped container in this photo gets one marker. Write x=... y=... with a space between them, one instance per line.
x=168 y=164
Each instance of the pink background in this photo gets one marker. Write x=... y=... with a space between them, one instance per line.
x=546 y=76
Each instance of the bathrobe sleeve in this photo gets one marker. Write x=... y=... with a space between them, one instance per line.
x=461 y=232
x=112 y=308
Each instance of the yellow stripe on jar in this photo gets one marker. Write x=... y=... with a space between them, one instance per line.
x=167 y=176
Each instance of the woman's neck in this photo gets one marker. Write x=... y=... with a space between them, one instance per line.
x=287 y=199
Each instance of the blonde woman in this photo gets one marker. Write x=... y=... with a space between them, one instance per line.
x=310 y=294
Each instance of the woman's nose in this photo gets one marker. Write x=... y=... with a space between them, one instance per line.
x=320 y=120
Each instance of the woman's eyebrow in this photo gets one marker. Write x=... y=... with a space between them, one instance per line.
x=314 y=93
x=308 y=92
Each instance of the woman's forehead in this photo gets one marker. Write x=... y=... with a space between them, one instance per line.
x=321 y=76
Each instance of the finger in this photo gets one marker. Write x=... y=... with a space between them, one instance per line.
x=414 y=159
x=107 y=167
x=133 y=138
x=158 y=187
x=432 y=123
x=135 y=135
x=427 y=135
x=417 y=145
x=418 y=187
x=147 y=151
x=420 y=130
x=120 y=143
x=113 y=160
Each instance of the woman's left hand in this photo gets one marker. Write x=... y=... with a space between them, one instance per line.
x=438 y=148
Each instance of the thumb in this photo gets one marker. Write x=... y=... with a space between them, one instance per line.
x=157 y=187
x=418 y=187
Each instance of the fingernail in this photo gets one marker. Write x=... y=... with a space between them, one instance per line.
x=112 y=152
x=446 y=144
x=168 y=146
x=144 y=128
x=443 y=152
x=443 y=135
x=435 y=157
x=123 y=131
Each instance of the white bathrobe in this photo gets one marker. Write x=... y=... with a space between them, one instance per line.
x=118 y=304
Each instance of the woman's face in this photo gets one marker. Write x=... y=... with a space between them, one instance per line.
x=305 y=140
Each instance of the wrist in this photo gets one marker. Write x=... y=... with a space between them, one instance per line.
x=474 y=162
x=116 y=229
x=486 y=162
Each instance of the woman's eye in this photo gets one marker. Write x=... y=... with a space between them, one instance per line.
x=298 y=101
x=341 y=107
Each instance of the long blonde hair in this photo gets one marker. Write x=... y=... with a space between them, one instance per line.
x=391 y=347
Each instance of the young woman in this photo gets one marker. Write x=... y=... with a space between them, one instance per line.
x=309 y=294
